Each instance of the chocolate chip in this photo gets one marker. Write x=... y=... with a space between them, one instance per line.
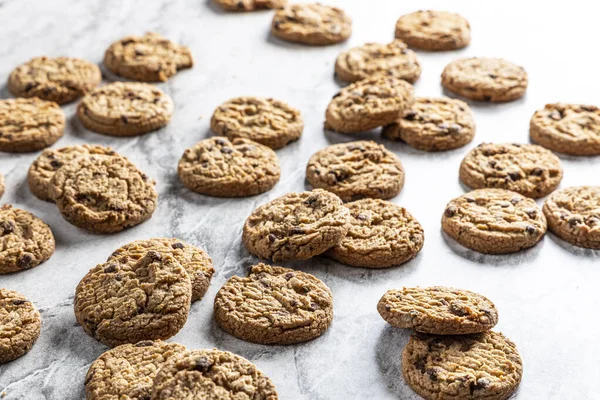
x=226 y=150
x=493 y=76
x=432 y=373
x=144 y=343
x=589 y=108
x=337 y=95
x=470 y=199
x=514 y=176
x=272 y=237
x=314 y=306
x=455 y=128
x=420 y=364
x=110 y=268
x=25 y=261
x=574 y=221
x=537 y=172
x=124 y=119
x=465 y=346
x=7 y=227
x=55 y=164
x=202 y=364
x=154 y=255
x=555 y=115
x=30 y=86
x=296 y=230
x=457 y=308
x=531 y=229
x=410 y=115
x=593 y=220
x=311 y=201
x=531 y=213
x=362 y=217
x=450 y=211
x=19 y=302
x=289 y=276
x=481 y=383
x=515 y=200
x=139 y=53
x=118 y=277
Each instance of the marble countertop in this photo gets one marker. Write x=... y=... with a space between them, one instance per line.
x=547 y=296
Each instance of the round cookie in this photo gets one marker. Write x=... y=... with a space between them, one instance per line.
x=574 y=215
x=481 y=366
x=494 y=221
x=103 y=194
x=368 y=104
x=434 y=30
x=128 y=371
x=249 y=5
x=218 y=167
x=356 y=170
x=393 y=59
x=2 y=185
x=20 y=325
x=313 y=24
x=381 y=235
x=43 y=168
x=25 y=240
x=211 y=374
x=270 y=122
x=148 y=58
x=434 y=124
x=567 y=128
x=274 y=305
x=296 y=226
x=60 y=79
x=523 y=168
x=28 y=125
x=194 y=260
x=438 y=310
x=118 y=303
x=485 y=79
x=125 y=109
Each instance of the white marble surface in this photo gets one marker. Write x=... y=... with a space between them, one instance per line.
x=547 y=296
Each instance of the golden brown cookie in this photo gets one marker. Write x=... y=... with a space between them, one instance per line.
x=438 y=310
x=392 y=59
x=274 y=305
x=573 y=214
x=567 y=128
x=434 y=30
x=523 y=168
x=494 y=221
x=103 y=194
x=434 y=124
x=270 y=122
x=480 y=366
x=29 y=124
x=148 y=58
x=20 y=325
x=313 y=24
x=250 y=5
x=25 y=240
x=218 y=167
x=296 y=226
x=356 y=170
x=485 y=79
x=368 y=104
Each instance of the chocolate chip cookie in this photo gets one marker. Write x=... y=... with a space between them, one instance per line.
x=368 y=104
x=218 y=167
x=125 y=109
x=523 y=168
x=381 y=235
x=128 y=371
x=434 y=124
x=481 y=366
x=494 y=221
x=25 y=240
x=103 y=194
x=118 y=303
x=274 y=305
x=574 y=215
x=148 y=58
x=296 y=226
x=356 y=170
x=211 y=374
x=485 y=79
x=567 y=128
x=29 y=124
x=438 y=310
x=250 y=5
x=434 y=30
x=394 y=59
x=270 y=122
x=313 y=24
x=194 y=260
x=20 y=325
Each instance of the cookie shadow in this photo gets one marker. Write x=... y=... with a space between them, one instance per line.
x=581 y=252
x=210 y=4
x=484 y=105
x=275 y=41
x=4 y=92
x=334 y=137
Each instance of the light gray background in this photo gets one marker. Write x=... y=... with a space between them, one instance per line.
x=547 y=296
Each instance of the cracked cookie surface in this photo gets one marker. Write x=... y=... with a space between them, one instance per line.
x=523 y=168
x=25 y=240
x=485 y=79
x=296 y=226
x=29 y=124
x=438 y=310
x=249 y=5
x=573 y=214
x=274 y=305
x=434 y=30
x=381 y=235
x=567 y=128
x=494 y=221
x=148 y=58
x=20 y=325
x=479 y=366
x=222 y=168
x=118 y=303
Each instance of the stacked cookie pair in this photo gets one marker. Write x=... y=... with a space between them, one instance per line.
x=454 y=354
